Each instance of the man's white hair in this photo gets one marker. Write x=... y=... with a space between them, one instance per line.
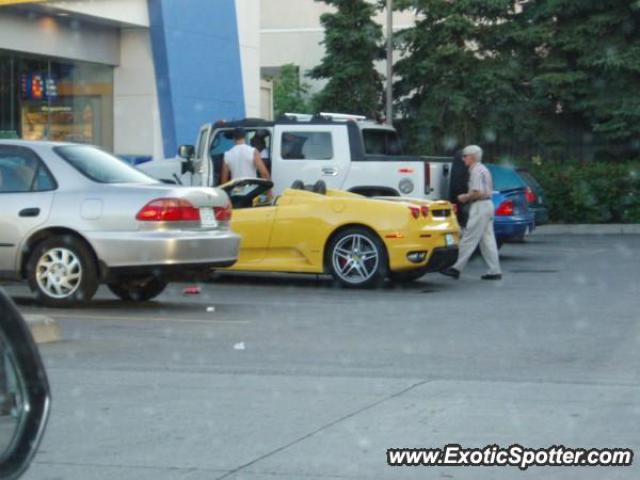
x=474 y=150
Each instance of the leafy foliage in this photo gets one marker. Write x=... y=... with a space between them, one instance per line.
x=289 y=93
x=457 y=80
x=557 y=74
x=596 y=192
x=588 y=61
x=353 y=42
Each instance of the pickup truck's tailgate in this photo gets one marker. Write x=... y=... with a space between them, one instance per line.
x=405 y=175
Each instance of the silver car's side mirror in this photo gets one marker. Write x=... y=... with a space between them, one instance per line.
x=24 y=392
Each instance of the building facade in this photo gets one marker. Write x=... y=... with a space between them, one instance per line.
x=137 y=77
x=291 y=32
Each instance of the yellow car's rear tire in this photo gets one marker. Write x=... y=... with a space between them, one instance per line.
x=357 y=258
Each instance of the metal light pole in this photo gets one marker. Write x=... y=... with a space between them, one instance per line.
x=390 y=62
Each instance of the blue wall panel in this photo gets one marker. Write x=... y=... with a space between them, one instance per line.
x=198 y=66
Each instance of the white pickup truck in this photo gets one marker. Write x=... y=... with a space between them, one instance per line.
x=347 y=152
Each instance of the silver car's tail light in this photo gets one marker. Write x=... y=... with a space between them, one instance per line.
x=169 y=210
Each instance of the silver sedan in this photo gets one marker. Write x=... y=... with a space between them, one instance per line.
x=74 y=216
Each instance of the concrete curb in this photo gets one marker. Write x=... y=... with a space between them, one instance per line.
x=44 y=329
x=598 y=229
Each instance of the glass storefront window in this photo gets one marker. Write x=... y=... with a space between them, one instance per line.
x=9 y=117
x=46 y=99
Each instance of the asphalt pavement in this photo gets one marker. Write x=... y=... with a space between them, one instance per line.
x=288 y=377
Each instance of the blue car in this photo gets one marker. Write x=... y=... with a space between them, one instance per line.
x=513 y=220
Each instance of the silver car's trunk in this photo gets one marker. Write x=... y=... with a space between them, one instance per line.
x=114 y=207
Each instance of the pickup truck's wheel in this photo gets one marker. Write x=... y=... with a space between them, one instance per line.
x=138 y=290
x=357 y=258
x=408 y=276
x=62 y=272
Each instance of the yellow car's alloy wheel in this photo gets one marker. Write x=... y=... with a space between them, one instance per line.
x=357 y=258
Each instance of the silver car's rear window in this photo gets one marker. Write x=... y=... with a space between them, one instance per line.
x=100 y=166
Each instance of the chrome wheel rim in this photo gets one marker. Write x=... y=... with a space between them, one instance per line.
x=355 y=259
x=59 y=273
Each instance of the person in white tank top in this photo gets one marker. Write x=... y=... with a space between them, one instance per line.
x=242 y=160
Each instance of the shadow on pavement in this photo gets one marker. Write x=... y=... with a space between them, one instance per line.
x=114 y=305
x=313 y=281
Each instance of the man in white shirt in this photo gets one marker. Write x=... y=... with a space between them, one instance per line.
x=242 y=160
x=479 y=229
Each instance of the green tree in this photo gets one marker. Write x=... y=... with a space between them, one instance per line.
x=353 y=43
x=289 y=93
x=459 y=80
x=585 y=61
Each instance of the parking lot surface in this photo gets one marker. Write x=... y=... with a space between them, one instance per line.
x=287 y=377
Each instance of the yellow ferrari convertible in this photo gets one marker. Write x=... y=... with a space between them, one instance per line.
x=360 y=241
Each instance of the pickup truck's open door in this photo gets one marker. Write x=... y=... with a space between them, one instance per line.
x=310 y=153
x=219 y=141
x=204 y=168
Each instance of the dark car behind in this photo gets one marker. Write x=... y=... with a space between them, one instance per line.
x=513 y=220
x=535 y=197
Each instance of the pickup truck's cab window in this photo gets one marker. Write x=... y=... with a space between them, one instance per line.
x=222 y=143
x=381 y=142
x=21 y=171
x=307 y=146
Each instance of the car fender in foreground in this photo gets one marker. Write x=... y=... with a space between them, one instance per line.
x=24 y=390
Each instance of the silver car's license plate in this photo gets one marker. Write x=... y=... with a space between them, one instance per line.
x=208 y=218
x=450 y=239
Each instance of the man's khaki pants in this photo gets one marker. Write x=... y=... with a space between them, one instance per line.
x=479 y=231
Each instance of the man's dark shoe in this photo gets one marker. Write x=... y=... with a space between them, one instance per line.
x=495 y=276
x=451 y=272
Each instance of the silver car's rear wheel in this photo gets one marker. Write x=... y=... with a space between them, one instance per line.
x=357 y=258
x=59 y=273
x=62 y=271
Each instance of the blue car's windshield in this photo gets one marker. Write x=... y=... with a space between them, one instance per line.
x=505 y=178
